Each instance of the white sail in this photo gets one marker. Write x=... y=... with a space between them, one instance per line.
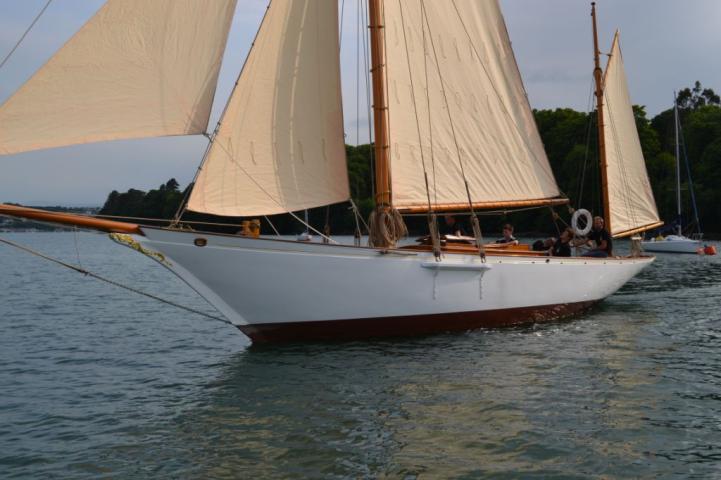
x=454 y=60
x=137 y=68
x=630 y=197
x=280 y=145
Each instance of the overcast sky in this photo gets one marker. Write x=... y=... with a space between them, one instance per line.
x=667 y=45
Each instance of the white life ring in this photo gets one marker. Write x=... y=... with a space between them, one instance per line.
x=582 y=212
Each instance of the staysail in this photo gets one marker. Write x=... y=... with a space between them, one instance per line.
x=137 y=68
x=280 y=144
x=454 y=90
x=632 y=207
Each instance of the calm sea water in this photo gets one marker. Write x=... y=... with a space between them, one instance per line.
x=96 y=382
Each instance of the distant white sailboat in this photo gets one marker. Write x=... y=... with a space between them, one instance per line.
x=453 y=132
x=677 y=243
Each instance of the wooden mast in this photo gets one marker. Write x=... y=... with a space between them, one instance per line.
x=598 y=76
x=380 y=106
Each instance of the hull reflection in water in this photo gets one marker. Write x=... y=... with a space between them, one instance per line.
x=275 y=290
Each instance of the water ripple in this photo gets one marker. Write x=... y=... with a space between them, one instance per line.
x=99 y=384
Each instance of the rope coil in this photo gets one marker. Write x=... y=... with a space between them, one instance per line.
x=386 y=227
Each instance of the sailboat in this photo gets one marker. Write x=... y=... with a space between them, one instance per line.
x=454 y=132
x=677 y=243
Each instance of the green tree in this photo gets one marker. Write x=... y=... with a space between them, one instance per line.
x=697 y=97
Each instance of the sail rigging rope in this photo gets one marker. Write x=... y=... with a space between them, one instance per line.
x=432 y=222
x=369 y=106
x=589 y=108
x=77 y=248
x=22 y=37
x=213 y=142
x=166 y=220
x=211 y=137
x=428 y=108
x=688 y=174
x=268 y=194
x=277 y=234
x=342 y=18
x=359 y=32
x=113 y=282
x=521 y=135
x=474 y=219
x=625 y=178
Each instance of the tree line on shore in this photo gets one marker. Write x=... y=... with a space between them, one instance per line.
x=570 y=141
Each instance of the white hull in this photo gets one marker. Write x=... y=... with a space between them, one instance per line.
x=672 y=244
x=265 y=284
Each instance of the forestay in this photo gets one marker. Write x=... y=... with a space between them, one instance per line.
x=454 y=89
x=280 y=144
x=137 y=68
x=631 y=203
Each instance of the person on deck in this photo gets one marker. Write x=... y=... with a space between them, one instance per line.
x=602 y=239
x=543 y=245
x=508 y=237
x=562 y=247
x=452 y=226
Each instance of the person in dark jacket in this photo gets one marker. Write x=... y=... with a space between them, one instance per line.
x=602 y=239
x=452 y=226
x=562 y=247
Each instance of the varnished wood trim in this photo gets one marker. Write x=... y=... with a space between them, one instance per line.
x=455 y=207
x=61 y=218
x=633 y=231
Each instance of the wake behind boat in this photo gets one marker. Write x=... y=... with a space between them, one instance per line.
x=453 y=133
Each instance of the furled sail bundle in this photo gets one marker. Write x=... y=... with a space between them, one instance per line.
x=280 y=144
x=630 y=198
x=456 y=102
x=137 y=68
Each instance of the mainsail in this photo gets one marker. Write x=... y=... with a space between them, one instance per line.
x=630 y=198
x=280 y=144
x=137 y=68
x=456 y=101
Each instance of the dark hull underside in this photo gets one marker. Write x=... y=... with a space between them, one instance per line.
x=405 y=326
